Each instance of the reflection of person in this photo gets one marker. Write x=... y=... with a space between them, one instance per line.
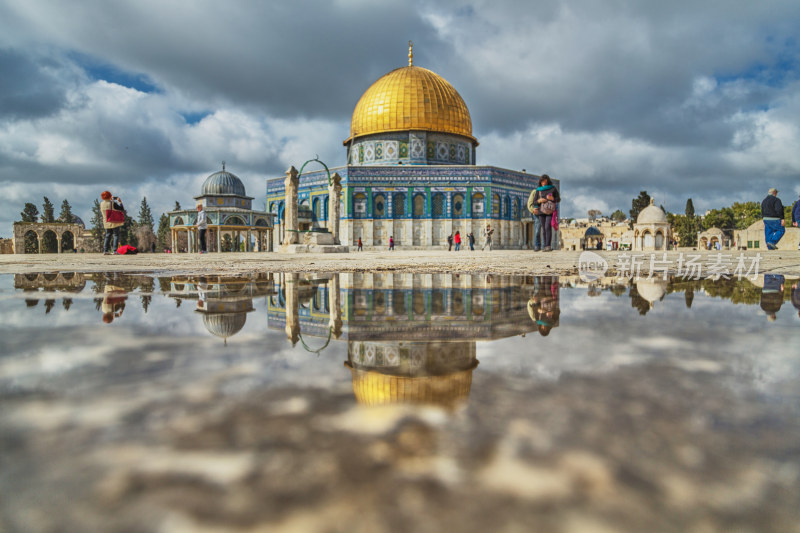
x=772 y=295
x=543 y=307
x=113 y=217
x=796 y=297
x=202 y=226
x=202 y=290
x=113 y=302
x=772 y=211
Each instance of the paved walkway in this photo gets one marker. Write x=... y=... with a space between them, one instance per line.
x=523 y=262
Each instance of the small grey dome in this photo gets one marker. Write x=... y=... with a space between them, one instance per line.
x=652 y=215
x=224 y=325
x=223 y=183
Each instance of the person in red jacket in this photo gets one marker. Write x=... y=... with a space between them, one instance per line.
x=457 y=239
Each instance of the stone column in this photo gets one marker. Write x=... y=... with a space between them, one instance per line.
x=335 y=307
x=39 y=238
x=219 y=240
x=58 y=240
x=290 y=185
x=292 y=308
x=334 y=200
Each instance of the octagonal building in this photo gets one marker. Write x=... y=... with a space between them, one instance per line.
x=412 y=174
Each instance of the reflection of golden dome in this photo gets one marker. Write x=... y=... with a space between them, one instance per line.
x=374 y=388
x=411 y=98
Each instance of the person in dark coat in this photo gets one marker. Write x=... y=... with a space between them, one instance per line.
x=545 y=193
x=774 y=223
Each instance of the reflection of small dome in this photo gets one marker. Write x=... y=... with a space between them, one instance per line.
x=223 y=183
x=374 y=388
x=224 y=325
x=651 y=290
x=592 y=232
x=652 y=215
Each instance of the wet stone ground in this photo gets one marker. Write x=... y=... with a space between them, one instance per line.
x=468 y=403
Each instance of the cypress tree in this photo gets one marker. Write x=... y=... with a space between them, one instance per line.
x=30 y=213
x=66 y=212
x=48 y=211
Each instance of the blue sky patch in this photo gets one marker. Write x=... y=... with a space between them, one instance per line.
x=99 y=70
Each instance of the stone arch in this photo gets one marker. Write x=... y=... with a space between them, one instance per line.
x=67 y=241
x=49 y=241
x=648 y=241
x=31 y=242
x=234 y=220
x=659 y=240
x=179 y=221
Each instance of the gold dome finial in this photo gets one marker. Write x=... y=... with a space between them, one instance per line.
x=410 y=54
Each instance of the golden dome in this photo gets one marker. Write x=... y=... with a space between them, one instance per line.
x=373 y=388
x=411 y=98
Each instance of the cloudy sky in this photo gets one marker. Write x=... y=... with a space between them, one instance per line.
x=683 y=99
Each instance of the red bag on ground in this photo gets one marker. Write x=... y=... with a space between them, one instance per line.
x=127 y=249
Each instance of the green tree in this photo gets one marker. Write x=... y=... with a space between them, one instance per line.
x=145 y=216
x=30 y=213
x=689 y=211
x=127 y=232
x=720 y=218
x=745 y=213
x=162 y=241
x=66 y=212
x=48 y=211
x=618 y=215
x=97 y=224
x=637 y=204
x=49 y=240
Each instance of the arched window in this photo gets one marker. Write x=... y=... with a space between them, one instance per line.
x=515 y=209
x=316 y=208
x=281 y=211
x=478 y=205
x=325 y=201
x=419 y=205
x=506 y=207
x=234 y=221
x=399 y=205
x=495 y=205
x=379 y=201
x=458 y=206
x=359 y=205
x=438 y=205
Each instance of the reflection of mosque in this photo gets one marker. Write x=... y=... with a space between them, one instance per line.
x=411 y=338
x=222 y=301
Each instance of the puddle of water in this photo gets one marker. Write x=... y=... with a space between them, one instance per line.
x=146 y=402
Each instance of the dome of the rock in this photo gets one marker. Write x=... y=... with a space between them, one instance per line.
x=223 y=183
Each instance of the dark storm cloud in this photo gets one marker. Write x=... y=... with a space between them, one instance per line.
x=308 y=58
x=30 y=87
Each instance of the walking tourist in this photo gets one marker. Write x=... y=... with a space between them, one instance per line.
x=113 y=218
x=471 y=241
x=449 y=242
x=533 y=207
x=545 y=199
x=360 y=245
x=772 y=211
x=487 y=235
x=202 y=226
x=457 y=239
x=391 y=243
x=796 y=217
